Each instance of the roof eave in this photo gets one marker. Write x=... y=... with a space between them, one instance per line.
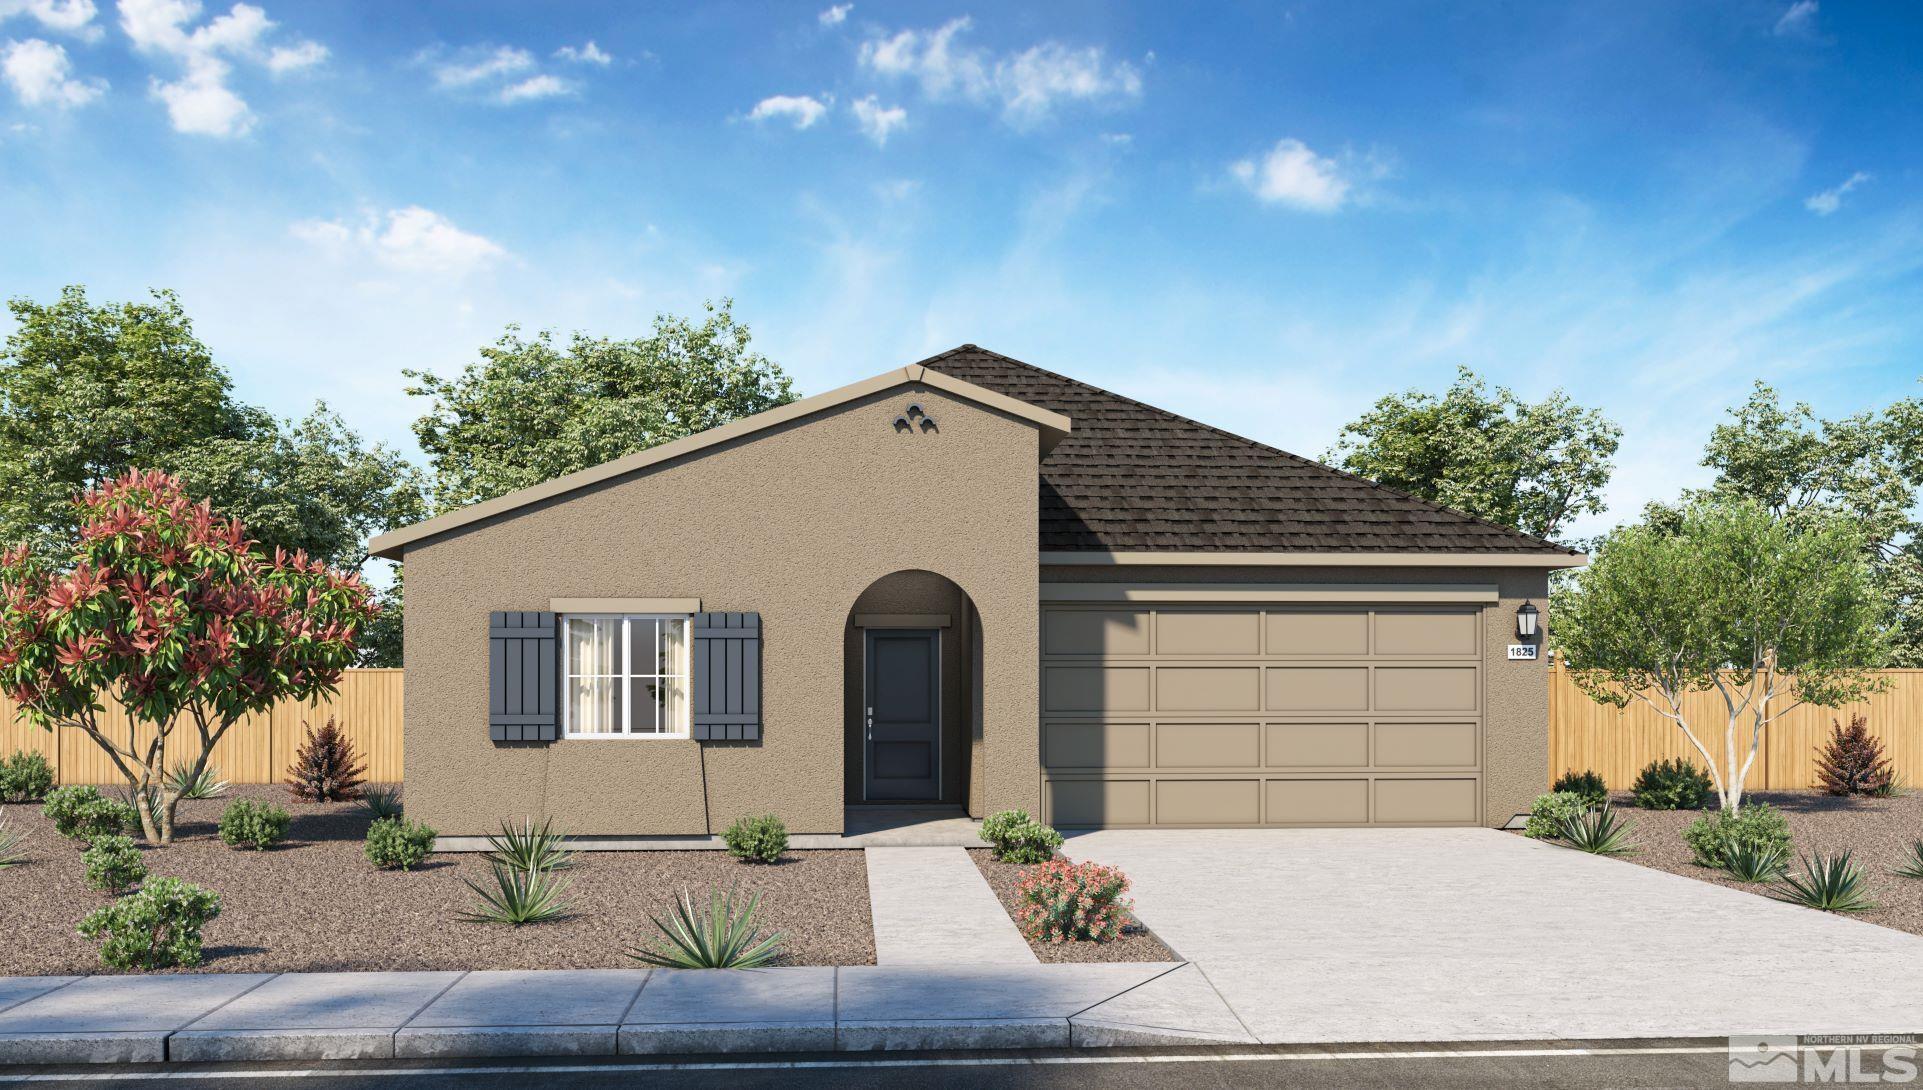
x=1253 y=558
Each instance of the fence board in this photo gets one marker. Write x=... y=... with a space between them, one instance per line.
x=1618 y=743
x=257 y=750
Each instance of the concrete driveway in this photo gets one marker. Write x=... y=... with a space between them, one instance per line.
x=1465 y=934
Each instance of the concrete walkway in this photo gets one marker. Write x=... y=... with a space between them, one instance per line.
x=931 y=906
x=604 y=1012
x=1318 y=935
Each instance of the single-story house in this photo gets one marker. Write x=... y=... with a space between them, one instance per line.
x=976 y=584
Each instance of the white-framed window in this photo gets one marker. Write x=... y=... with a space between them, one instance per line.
x=626 y=675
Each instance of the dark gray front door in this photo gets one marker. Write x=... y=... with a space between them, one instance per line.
x=902 y=717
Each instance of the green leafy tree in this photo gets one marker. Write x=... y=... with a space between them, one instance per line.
x=172 y=612
x=531 y=410
x=1863 y=469
x=1493 y=456
x=1732 y=599
x=89 y=391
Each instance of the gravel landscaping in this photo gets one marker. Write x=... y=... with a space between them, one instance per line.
x=315 y=903
x=1137 y=942
x=1877 y=832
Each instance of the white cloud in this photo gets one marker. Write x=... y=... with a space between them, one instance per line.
x=490 y=65
x=285 y=59
x=1292 y=174
x=587 y=54
x=878 y=121
x=411 y=239
x=201 y=102
x=802 y=110
x=1027 y=86
x=40 y=75
x=73 y=17
x=1829 y=200
x=1799 y=19
x=535 y=87
x=835 y=16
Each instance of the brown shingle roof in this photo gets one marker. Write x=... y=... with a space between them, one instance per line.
x=1132 y=477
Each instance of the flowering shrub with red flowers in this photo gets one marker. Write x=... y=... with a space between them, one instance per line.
x=172 y=612
x=1072 y=902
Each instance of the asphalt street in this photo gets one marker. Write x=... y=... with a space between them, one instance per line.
x=1677 y=1064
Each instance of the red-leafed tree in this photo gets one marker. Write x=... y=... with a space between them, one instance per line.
x=172 y=612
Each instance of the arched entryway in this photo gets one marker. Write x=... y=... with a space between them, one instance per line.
x=912 y=694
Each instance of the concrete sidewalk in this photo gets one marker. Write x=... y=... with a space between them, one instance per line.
x=605 y=1012
x=931 y=906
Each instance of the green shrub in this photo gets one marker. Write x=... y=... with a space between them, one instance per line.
x=1594 y=792
x=1672 y=785
x=1711 y=839
x=82 y=813
x=63 y=807
x=1548 y=812
x=396 y=843
x=1831 y=883
x=1017 y=838
x=381 y=802
x=757 y=839
x=25 y=777
x=113 y=864
x=156 y=928
x=249 y=824
x=723 y=937
x=520 y=896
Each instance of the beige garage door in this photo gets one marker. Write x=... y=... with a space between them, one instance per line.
x=1215 y=715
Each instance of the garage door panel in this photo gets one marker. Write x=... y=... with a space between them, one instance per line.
x=1207 y=632
x=1208 y=745
x=1095 y=632
x=1425 y=688
x=1197 y=714
x=1318 y=745
x=1425 y=633
x=1425 y=745
x=1318 y=688
x=1096 y=688
x=1208 y=689
x=1425 y=802
x=1077 y=803
x=1319 y=632
x=1208 y=802
x=1318 y=802
x=1096 y=745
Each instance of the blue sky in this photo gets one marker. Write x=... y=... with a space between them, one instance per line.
x=1263 y=216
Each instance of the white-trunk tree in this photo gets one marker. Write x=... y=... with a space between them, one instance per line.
x=1729 y=600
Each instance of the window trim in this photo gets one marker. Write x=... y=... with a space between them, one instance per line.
x=626 y=677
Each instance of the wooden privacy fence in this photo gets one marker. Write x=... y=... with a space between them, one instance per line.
x=1618 y=742
x=256 y=750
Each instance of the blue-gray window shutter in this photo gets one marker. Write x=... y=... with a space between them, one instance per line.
x=523 y=692
x=727 y=677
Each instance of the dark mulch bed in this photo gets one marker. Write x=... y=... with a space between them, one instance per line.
x=1137 y=943
x=315 y=903
x=1877 y=832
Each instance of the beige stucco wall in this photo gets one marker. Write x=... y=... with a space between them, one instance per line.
x=1515 y=694
x=794 y=522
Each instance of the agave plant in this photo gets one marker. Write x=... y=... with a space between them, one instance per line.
x=1755 y=860
x=1912 y=865
x=1598 y=832
x=528 y=848
x=206 y=785
x=1833 y=883
x=518 y=897
x=723 y=937
x=381 y=803
x=134 y=797
x=9 y=843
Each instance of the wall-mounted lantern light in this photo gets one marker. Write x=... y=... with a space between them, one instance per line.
x=1526 y=614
